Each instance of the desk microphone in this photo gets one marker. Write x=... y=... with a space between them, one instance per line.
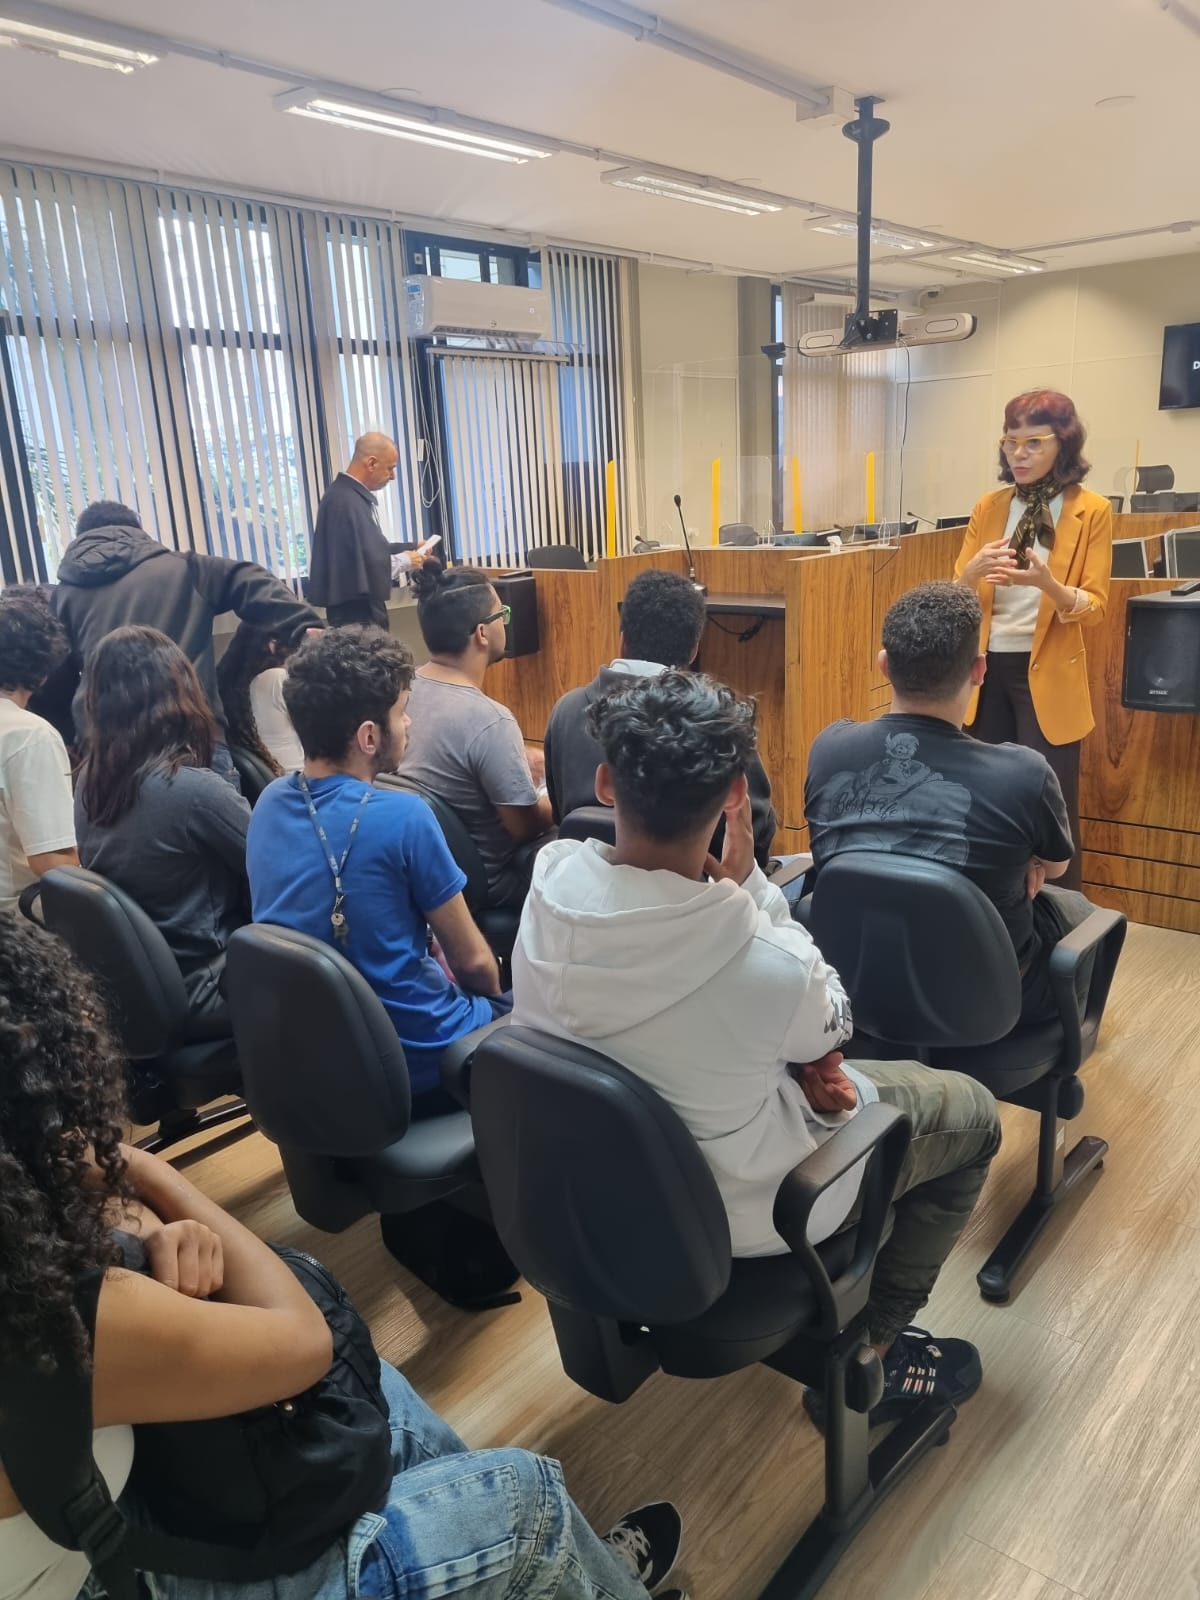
x=687 y=546
x=928 y=521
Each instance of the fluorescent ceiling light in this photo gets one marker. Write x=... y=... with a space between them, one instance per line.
x=73 y=46
x=1017 y=265
x=398 y=125
x=886 y=238
x=743 y=201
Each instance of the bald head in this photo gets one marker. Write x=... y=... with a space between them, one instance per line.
x=374 y=461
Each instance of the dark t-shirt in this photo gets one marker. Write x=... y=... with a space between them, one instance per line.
x=180 y=853
x=921 y=787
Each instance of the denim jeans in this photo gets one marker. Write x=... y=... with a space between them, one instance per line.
x=490 y=1524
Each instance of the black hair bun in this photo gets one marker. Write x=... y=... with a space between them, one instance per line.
x=426 y=580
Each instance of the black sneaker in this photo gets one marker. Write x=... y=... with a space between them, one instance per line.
x=917 y=1367
x=647 y=1541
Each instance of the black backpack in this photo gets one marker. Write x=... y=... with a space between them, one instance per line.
x=259 y=1495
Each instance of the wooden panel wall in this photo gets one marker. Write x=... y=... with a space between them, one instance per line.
x=1139 y=789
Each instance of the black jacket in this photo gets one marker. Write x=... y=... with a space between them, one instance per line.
x=351 y=559
x=117 y=577
x=572 y=756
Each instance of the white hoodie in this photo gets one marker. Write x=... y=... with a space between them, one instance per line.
x=705 y=990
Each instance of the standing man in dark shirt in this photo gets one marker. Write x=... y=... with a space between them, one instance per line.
x=350 y=572
x=913 y=782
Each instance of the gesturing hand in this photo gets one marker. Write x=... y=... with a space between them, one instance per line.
x=1035 y=576
x=737 y=853
x=826 y=1087
x=993 y=564
x=187 y=1257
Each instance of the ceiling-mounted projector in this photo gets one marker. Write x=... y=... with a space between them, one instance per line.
x=888 y=330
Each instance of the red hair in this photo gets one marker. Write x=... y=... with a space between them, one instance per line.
x=1050 y=409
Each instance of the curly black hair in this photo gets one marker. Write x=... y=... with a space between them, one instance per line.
x=674 y=744
x=931 y=635
x=338 y=681
x=61 y=1093
x=32 y=641
x=662 y=618
x=450 y=605
x=249 y=653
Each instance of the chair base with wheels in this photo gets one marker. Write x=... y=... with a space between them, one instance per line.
x=606 y=1203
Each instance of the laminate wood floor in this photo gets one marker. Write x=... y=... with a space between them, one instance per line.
x=1074 y=1474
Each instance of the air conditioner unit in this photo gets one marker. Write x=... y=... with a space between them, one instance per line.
x=456 y=305
x=891 y=331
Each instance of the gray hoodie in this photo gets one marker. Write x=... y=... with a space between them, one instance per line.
x=705 y=990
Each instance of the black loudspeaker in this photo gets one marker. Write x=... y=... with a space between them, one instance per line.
x=1162 y=652
x=519 y=590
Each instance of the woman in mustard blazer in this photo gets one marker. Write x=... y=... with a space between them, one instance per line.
x=1039 y=555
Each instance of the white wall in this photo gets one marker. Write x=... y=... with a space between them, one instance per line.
x=1096 y=334
x=689 y=390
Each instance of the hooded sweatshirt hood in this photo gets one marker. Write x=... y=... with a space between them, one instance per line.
x=590 y=927
x=102 y=555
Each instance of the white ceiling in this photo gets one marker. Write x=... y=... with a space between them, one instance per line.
x=995 y=134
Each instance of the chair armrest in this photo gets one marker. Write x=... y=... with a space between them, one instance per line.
x=879 y=1135
x=783 y=872
x=1103 y=932
x=454 y=1067
x=29 y=903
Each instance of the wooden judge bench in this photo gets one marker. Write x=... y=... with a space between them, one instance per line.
x=799 y=629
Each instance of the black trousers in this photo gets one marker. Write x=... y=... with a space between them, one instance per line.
x=1006 y=716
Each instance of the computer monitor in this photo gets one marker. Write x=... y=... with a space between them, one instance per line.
x=1129 y=559
x=1181 y=552
x=951 y=522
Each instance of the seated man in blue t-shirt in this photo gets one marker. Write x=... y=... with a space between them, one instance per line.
x=365 y=869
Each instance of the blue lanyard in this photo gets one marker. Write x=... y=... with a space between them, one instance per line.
x=337 y=918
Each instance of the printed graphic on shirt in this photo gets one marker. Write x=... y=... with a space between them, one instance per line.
x=900 y=804
x=838 y=1020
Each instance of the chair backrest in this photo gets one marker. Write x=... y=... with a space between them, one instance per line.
x=599 y=1192
x=740 y=533
x=1129 y=559
x=1181 y=552
x=923 y=954
x=590 y=822
x=252 y=771
x=114 y=938
x=458 y=838
x=565 y=556
x=1153 y=480
x=322 y=1068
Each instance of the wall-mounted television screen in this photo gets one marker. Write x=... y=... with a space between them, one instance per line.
x=1180 y=367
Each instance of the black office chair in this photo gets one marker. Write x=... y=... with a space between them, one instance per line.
x=177 y=1063
x=931 y=974
x=736 y=533
x=565 y=557
x=604 y=1201
x=252 y=771
x=590 y=822
x=498 y=924
x=326 y=1081
x=1116 y=501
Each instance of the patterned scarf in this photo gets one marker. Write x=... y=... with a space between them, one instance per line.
x=1036 y=521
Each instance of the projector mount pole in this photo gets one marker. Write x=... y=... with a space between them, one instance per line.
x=861 y=326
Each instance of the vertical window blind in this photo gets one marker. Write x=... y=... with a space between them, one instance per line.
x=209 y=360
x=835 y=411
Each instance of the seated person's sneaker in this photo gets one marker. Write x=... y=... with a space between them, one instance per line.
x=918 y=1367
x=647 y=1541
